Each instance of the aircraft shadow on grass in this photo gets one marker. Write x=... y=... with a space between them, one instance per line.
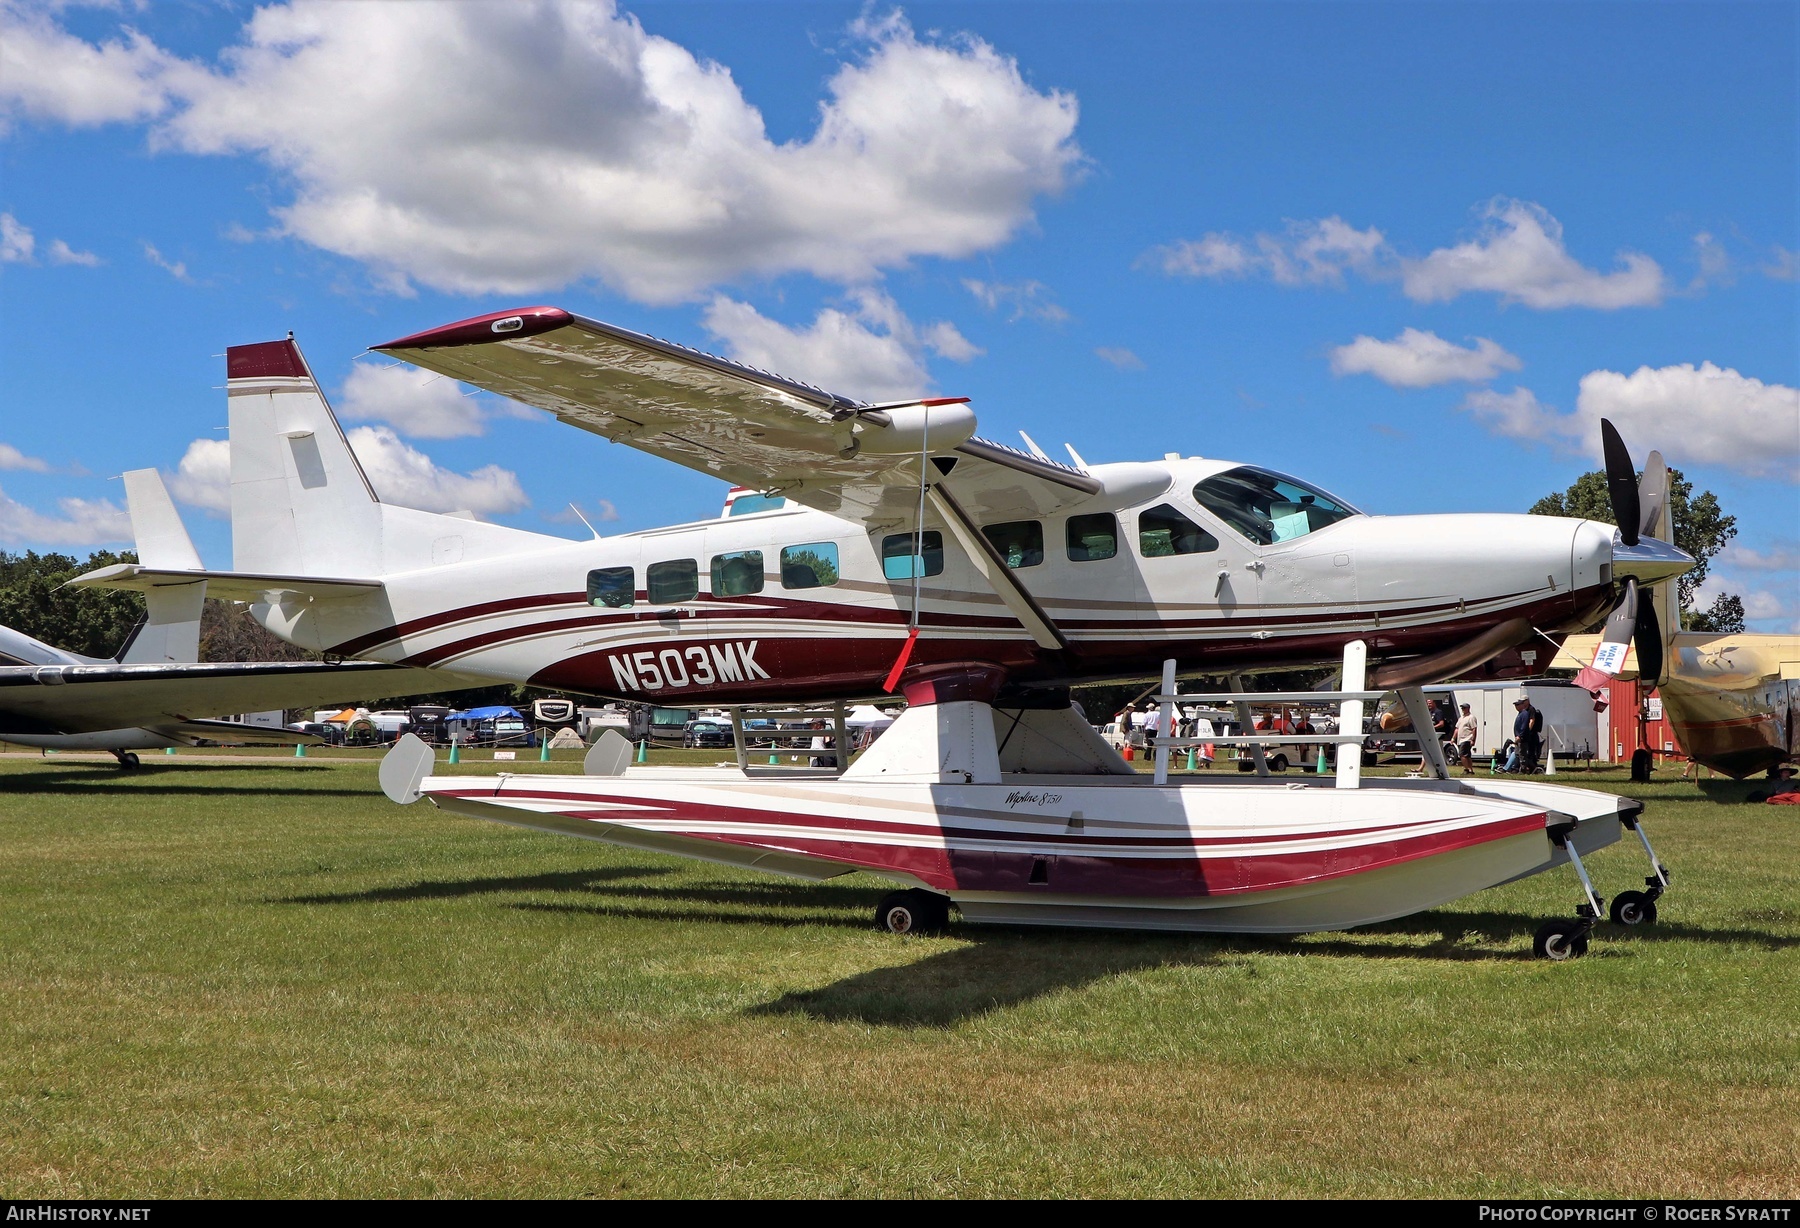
x=457 y=888
x=144 y=781
x=999 y=967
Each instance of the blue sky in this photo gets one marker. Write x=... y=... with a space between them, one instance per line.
x=1410 y=251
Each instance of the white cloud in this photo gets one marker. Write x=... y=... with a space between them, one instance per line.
x=871 y=351
x=1307 y=253
x=17 y=243
x=174 y=268
x=12 y=458
x=513 y=148
x=84 y=522
x=1520 y=256
x=1025 y=299
x=1781 y=555
x=402 y=474
x=1705 y=415
x=1120 y=357
x=203 y=478
x=1783 y=264
x=1716 y=267
x=1516 y=414
x=1417 y=359
x=416 y=402
x=47 y=73
x=62 y=253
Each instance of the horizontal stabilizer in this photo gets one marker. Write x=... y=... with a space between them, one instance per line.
x=229 y=585
x=236 y=732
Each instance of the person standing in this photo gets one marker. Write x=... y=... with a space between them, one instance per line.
x=1468 y=729
x=1528 y=732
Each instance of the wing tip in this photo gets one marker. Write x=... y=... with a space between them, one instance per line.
x=494 y=326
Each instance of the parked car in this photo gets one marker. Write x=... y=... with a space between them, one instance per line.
x=706 y=733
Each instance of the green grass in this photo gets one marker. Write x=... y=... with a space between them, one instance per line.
x=260 y=978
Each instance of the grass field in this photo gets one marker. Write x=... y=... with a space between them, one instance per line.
x=259 y=978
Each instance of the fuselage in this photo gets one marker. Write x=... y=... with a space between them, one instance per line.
x=1734 y=700
x=791 y=602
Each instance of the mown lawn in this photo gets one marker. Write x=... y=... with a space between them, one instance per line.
x=262 y=979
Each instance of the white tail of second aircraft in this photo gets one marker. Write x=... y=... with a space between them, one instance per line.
x=171 y=631
x=301 y=504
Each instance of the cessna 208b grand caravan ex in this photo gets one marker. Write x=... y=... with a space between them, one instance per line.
x=1044 y=572
x=907 y=553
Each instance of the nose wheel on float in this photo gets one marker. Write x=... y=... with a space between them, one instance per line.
x=1639 y=907
x=1567 y=938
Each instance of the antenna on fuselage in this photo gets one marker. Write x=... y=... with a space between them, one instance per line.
x=584 y=520
x=1076 y=457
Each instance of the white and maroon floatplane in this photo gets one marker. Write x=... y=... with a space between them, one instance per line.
x=1014 y=810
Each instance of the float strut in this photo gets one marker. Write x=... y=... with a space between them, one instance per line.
x=1658 y=881
x=1595 y=908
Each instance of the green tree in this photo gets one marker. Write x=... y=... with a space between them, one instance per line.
x=93 y=622
x=1701 y=529
x=1725 y=616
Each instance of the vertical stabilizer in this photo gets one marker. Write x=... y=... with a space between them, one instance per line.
x=171 y=629
x=300 y=503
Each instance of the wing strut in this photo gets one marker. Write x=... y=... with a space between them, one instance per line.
x=987 y=560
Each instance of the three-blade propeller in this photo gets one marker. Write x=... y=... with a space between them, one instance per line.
x=1640 y=508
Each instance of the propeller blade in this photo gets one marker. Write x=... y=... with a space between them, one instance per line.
x=1653 y=498
x=1648 y=639
x=1621 y=483
x=1615 y=641
x=1622 y=623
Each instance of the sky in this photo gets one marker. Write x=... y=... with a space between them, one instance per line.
x=1410 y=252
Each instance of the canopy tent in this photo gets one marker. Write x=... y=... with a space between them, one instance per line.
x=867 y=716
x=485 y=714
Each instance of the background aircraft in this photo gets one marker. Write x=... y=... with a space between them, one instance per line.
x=154 y=694
x=902 y=547
x=1733 y=700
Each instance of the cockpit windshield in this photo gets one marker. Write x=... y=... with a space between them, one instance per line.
x=1268 y=507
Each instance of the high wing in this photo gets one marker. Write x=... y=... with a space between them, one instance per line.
x=44 y=699
x=750 y=427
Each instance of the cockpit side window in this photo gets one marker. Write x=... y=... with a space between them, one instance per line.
x=1163 y=531
x=1269 y=507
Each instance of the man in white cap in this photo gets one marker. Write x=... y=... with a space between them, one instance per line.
x=1467 y=730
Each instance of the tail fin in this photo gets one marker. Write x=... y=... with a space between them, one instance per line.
x=171 y=632
x=301 y=504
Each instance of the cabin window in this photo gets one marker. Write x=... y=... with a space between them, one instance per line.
x=736 y=574
x=1019 y=542
x=673 y=582
x=612 y=587
x=901 y=556
x=1163 y=531
x=1093 y=537
x=1269 y=507
x=813 y=565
